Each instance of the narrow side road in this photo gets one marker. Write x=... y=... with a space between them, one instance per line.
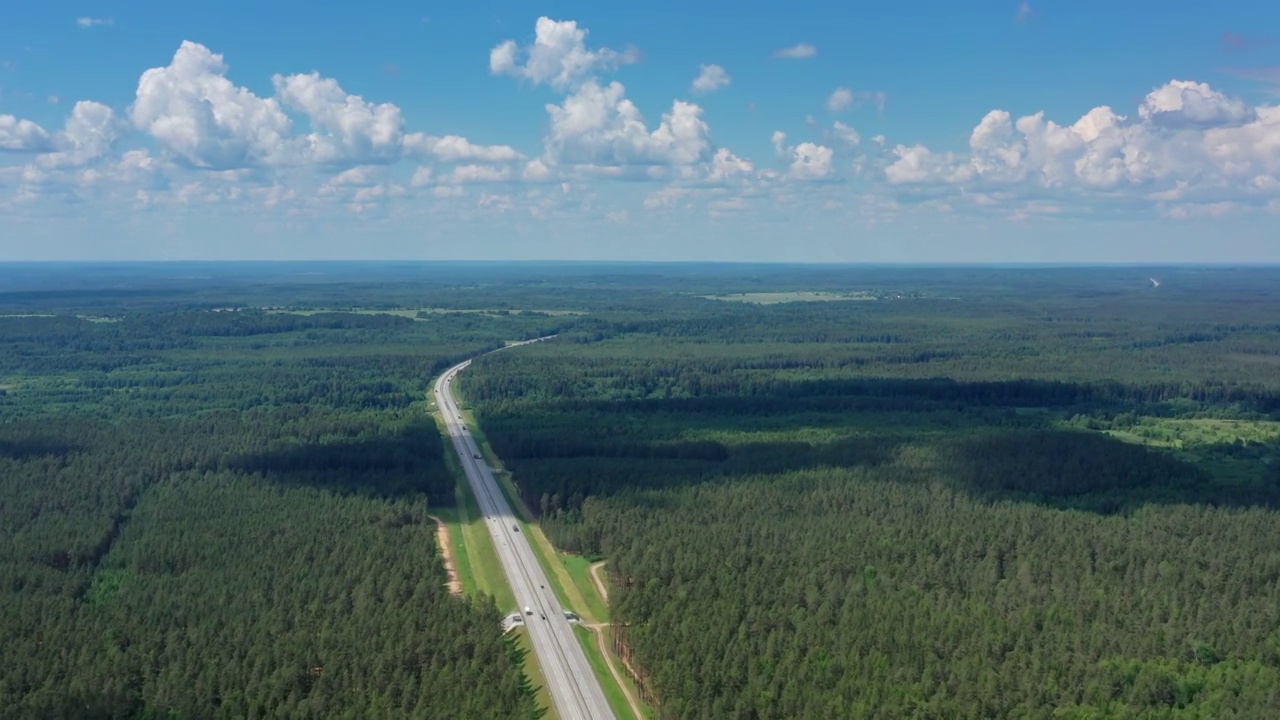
x=575 y=690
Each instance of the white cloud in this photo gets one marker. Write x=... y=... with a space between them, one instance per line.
x=1188 y=141
x=89 y=134
x=846 y=135
x=536 y=171
x=779 y=141
x=1183 y=104
x=806 y=161
x=797 y=52
x=841 y=99
x=558 y=57
x=453 y=148
x=89 y=22
x=22 y=135
x=726 y=167
x=1024 y=11
x=198 y=115
x=810 y=161
x=598 y=125
x=345 y=128
x=359 y=176
x=710 y=78
x=193 y=111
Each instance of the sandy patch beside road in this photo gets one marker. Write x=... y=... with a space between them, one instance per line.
x=446 y=551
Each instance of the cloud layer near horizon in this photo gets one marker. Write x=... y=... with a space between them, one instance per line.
x=192 y=135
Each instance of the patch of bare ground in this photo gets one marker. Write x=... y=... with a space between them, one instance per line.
x=446 y=551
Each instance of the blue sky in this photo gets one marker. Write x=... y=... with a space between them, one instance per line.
x=982 y=131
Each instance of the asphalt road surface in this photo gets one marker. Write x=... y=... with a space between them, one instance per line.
x=574 y=689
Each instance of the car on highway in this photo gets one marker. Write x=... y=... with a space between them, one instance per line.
x=515 y=528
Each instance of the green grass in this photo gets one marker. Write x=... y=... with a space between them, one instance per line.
x=613 y=693
x=773 y=298
x=579 y=570
x=475 y=556
x=1168 y=432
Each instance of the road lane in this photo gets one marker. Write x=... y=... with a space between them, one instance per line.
x=574 y=688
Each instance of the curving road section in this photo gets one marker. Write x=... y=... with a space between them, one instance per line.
x=575 y=690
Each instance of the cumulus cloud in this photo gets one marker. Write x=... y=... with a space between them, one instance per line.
x=20 y=135
x=1184 y=104
x=199 y=116
x=796 y=52
x=90 y=133
x=193 y=111
x=89 y=22
x=806 y=161
x=710 y=78
x=345 y=128
x=598 y=125
x=1187 y=142
x=558 y=56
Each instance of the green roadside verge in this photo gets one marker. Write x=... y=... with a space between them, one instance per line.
x=612 y=691
x=570 y=577
x=480 y=571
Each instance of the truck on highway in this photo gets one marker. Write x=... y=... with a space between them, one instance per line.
x=528 y=610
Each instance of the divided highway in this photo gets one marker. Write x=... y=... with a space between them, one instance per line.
x=574 y=688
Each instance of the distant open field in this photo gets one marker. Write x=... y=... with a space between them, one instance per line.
x=416 y=313
x=773 y=298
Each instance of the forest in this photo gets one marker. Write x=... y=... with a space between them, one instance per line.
x=225 y=514
x=1037 y=494
x=821 y=491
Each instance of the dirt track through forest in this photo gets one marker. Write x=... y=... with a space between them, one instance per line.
x=598 y=629
x=595 y=575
